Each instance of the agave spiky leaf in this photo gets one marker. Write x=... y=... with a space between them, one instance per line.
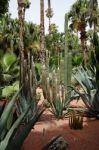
x=22 y=104
x=90 y=96
x=57 y=108
x=86 y=82
x=83 y=96
x=20 y=137
x=6 y=142
x=7 y=111
x=80 y=77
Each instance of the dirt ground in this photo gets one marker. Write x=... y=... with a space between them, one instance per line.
x=48 y=127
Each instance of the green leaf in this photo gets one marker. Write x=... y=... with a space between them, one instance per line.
x=7 y=91
x=5 y=142
x=7 y=111
x=8 y=59
x=20 y=137
x=7 y=77
x=57 y=108
x=16 y=86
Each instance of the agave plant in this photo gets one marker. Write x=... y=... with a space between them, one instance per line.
x=57 y=107
x=19 y=138
x=13 y=137
x=23 y=103
x=90 y=94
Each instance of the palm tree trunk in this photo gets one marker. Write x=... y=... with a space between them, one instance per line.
x=49 y=25
x=49 y=4
x=49 y=8
x=21 y=14
x=42 y=33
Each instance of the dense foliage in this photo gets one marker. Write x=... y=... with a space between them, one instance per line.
x=71 y=57
x=3 y=6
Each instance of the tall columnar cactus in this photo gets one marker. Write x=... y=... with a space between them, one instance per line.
x=61 y=71
x=27 y=68
x=28 y=94
x=29 y=77
x=67 y=61
x=96 y=46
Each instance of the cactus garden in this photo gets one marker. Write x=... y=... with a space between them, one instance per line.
x=49 y=77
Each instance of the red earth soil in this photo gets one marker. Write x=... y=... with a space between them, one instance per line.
x=48 y=127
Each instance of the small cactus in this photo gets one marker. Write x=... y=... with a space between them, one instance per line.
x=76 y=121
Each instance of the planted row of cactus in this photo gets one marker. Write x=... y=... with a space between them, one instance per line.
x=50 y=84
x=11 y=137
x=55 y=93
x=57 y=81
x=28 y=80
x=28 y=93
x=27 y=70
x=76 y=121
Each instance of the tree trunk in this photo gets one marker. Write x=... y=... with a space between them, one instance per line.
x=42 y=33
x=49 y=8
x=21 y=14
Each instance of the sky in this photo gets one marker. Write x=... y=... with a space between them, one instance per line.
x=60 y=7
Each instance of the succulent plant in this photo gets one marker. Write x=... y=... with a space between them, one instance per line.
x=57 y=107
x=11 y=136
x=90 y=94
x=75 y=120
x=67 y=62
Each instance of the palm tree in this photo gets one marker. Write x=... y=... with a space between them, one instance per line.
x=21 y=14
x=31 y=39
x=5 y=32
x=42 y=33
x=3 y=7
x=55 y=45
x=22 y=5
x=27 y=75
x=49 y=14
x=93 y=15
x=9 y=36
x=78 y=17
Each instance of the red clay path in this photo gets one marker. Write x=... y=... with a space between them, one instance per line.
x=48 y=127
